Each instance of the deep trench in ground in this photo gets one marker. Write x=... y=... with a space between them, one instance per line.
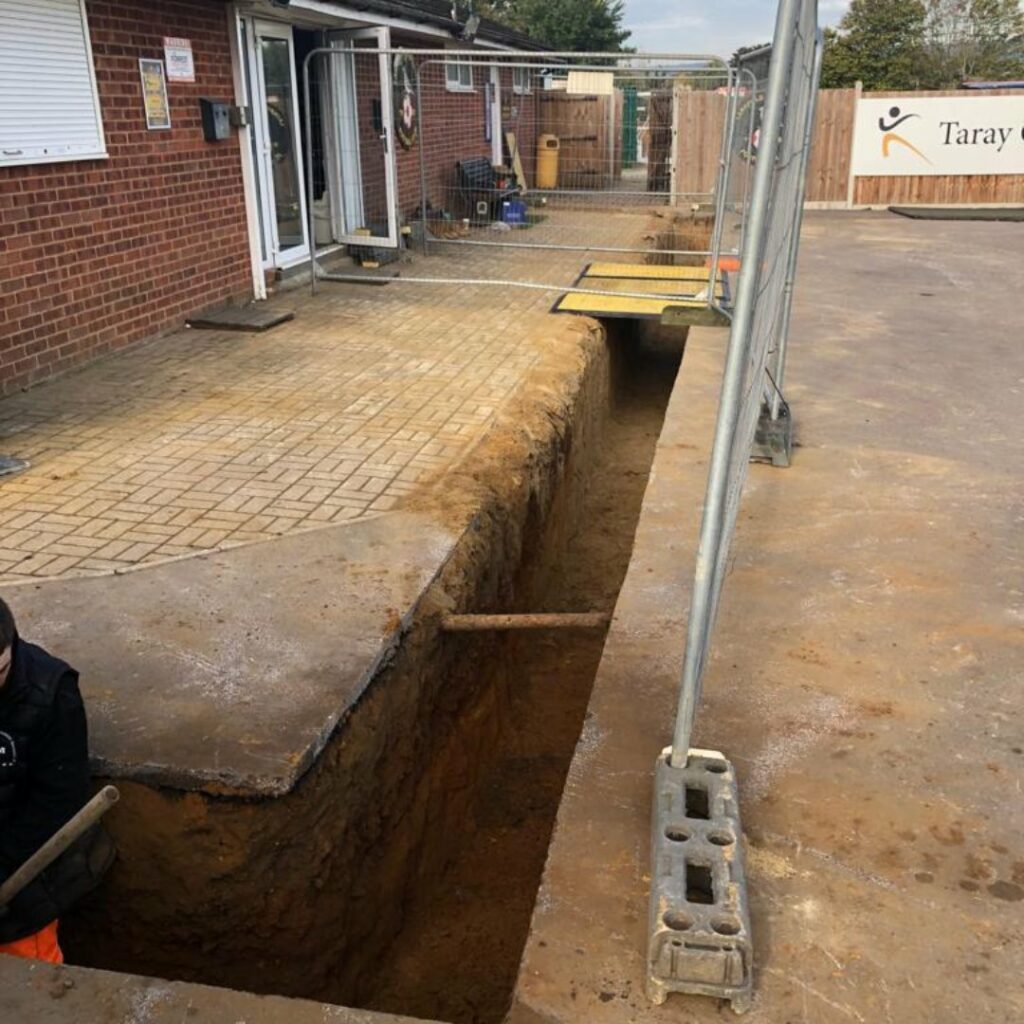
x=457 y=953
x=400 y=873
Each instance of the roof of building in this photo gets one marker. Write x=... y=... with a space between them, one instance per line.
x=1009 y=84
x=438 y=13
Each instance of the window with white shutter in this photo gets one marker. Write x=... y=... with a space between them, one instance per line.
x=49 y=107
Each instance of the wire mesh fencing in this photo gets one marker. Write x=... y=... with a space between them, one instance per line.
x=780 y=144
x=512 y=168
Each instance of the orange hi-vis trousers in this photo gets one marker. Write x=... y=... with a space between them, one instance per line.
x=41 y=946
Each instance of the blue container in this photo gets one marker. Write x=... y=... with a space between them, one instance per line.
x=513 y=211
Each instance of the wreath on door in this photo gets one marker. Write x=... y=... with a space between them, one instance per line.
x=406 y=102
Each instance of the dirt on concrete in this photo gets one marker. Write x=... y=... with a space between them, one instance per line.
x=457 y=953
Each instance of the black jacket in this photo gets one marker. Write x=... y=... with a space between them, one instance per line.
x=44 y=772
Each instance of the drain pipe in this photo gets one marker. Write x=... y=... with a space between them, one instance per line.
x=539 y=620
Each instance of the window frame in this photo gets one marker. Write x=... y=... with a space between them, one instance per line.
x=524 y=89
x=458 y=66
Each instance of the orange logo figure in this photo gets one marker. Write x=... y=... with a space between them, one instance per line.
x=889 y=136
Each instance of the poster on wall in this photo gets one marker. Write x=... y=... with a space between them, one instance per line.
x=154 y=94
x=181 y=66
x=932 y=135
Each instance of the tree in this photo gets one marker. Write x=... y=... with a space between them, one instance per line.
x=974 y=39
x=578 y=25
x=880 y=42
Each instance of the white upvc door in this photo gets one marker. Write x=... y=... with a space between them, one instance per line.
x=278 y=146
x=361 y=140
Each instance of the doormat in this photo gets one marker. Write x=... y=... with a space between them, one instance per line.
x=240 y=318
x=1015 y=213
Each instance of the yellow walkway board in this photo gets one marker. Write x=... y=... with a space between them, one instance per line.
x=669 y=287
x=647 y=272
x=617 y=305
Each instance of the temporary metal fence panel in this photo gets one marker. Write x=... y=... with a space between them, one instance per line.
x=511 y=169
x=506 y=168
x=709 y=952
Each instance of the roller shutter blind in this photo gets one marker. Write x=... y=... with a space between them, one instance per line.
x=49 y=108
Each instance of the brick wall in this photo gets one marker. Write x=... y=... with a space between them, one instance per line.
x=96 y=254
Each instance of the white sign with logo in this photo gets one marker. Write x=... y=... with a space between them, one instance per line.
x=939 y=135
x=178 y=57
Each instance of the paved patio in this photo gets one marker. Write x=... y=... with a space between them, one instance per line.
x=210 y=439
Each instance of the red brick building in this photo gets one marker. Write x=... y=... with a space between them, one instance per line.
x=120 y=215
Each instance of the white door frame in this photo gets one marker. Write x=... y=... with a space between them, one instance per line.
x=257 y=28
x=345 y=163
x=497 y=143
x=240 y=69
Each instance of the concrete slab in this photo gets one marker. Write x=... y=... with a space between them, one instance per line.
x=865 y=671
x=48 y=994
x=228 y=672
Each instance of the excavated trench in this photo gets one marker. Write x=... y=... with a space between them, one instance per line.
x=400 y=873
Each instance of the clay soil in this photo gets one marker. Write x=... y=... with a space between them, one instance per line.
x=456 y=955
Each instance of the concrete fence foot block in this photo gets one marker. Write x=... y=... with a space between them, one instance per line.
x=699 y=924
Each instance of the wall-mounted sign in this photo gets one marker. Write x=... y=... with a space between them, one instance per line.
x=178 y=58
x=154 y=94
x=939 y=135
x=403 y=76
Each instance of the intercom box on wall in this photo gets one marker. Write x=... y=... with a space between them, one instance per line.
x=216 y=119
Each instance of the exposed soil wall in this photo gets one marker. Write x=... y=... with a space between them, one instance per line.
x=457 y=954
x=301 y=895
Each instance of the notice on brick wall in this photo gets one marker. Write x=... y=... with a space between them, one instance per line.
x=178 y=58
x=154 y=94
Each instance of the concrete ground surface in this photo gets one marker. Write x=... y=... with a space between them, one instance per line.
x=35 y=993
x=866 y=669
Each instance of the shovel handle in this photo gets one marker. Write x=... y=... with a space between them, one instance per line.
x=71 y=830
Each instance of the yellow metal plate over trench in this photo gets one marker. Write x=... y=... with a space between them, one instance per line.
x=616 y=278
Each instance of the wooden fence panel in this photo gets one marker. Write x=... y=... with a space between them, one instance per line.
x=589 y=131
x=699 y=121
x=828 y=172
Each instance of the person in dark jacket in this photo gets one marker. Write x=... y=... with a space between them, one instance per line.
x=44 y=779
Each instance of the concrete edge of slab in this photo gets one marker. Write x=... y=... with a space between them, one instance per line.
x=205 y=674
x=52 y=994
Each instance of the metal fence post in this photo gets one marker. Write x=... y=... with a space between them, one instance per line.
x=308 y=123
x=794 y=248
x=708 y=554
x=698 y=919
x=722 y=181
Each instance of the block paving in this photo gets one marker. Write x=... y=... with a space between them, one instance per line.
x=207 y=439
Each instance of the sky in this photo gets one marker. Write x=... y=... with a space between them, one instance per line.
x=709 y=26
